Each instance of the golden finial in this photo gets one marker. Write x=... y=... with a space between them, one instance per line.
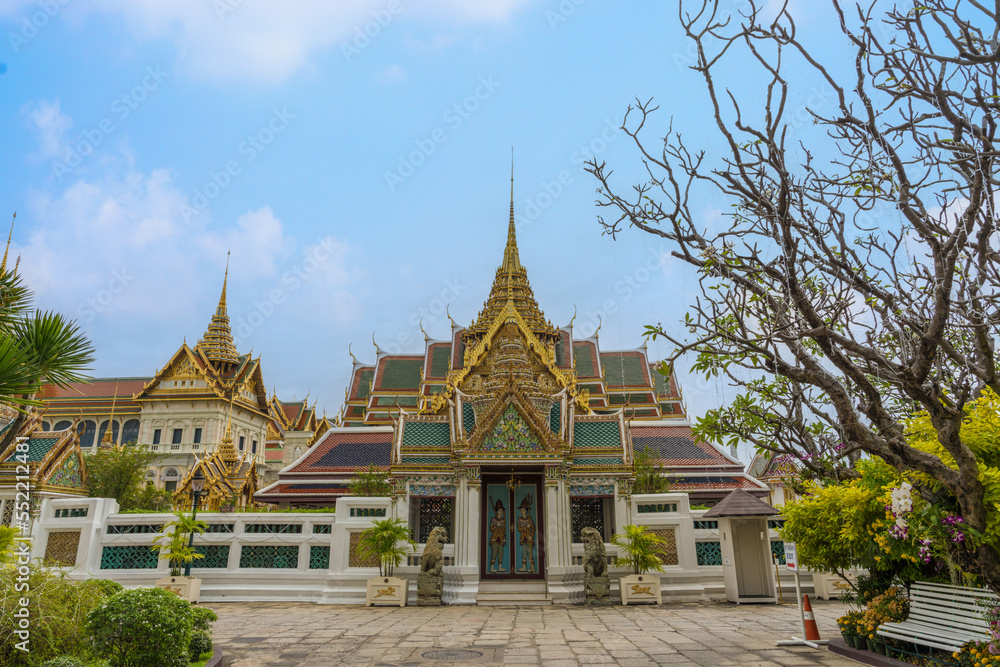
x=108 y=439
x=511 y=261
x=599 y=323
x=572 y=318
x=378 y=350
x=217 y=344
x=225 y=280
x=447 y=312
x=353 y=358
x=3 y=265
x=426 y=337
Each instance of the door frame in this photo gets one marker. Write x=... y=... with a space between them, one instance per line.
x=528 y=477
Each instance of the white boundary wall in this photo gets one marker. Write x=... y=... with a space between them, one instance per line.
x=101 y=527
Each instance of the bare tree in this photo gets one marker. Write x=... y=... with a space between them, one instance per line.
x=858 y=278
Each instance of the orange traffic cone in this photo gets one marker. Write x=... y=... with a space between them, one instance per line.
x=812 y=630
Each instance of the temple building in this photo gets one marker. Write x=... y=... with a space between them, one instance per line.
x=186 y=410
x=513 y=434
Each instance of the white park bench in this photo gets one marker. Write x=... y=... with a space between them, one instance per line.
x=942 y=617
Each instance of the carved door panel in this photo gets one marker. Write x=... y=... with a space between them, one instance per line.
x=512 y=546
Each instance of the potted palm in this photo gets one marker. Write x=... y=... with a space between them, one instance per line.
x=388 y=541
x=639 y=550
x=175 y=546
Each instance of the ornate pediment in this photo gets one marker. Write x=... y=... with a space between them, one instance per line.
x=512 y=424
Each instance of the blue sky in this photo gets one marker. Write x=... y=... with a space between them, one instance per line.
x=353 y=156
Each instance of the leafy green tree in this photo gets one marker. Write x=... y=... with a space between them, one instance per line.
x=389 y=541
x=649 y=472
x=854 y=278
x=639 y=549
x=120 y=473
x=36 y=347
x=371 y=483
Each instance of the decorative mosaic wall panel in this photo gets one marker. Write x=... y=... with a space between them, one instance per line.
x=586 y=513
x=706 y=525
x=510 y=434
x=436 y=512
x=778 y=551
x=273 y=557
x=215 y=556
x=62 y=547
x=273 y=528
x=70 y=512
x=367 y=511
x=322 y=529
x=68 y=473
x=592 y=490
x=669 y=554
x=423 y=490
x=319 y=558
x=554 y=417
x=220 y=528
x=134 y=529
x=129 y=558
x=709 y=553
x=8 y=512
x=468 y=418
x=355 y=559
x=657 y=508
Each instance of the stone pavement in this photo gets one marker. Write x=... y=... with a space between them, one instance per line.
x=287 y=634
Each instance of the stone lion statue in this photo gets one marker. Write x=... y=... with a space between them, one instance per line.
x=433 y=559
x=595 y=559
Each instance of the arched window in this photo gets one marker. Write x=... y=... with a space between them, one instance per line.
x=130 y=432
x=46 y=426
x=170 y=478
x=62 y=425
x=88 y=429
x=151 y=475
x=253 y=446
x=242 y=439
x=104 y=428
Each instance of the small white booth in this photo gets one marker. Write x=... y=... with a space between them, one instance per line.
x=746 y=548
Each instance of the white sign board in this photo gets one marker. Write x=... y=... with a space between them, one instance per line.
x=791 y=557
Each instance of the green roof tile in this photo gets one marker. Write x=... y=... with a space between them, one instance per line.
x=423 y=434
x=596 y=434
x=365 y=381
x=598 y=461
x=623 y=370
x=583 y=360
x=37 y=449
x=401 y=374
x=440 y=357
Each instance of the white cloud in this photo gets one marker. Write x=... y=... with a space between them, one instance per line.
x=262 y=40
x=50 y=125
x=394 y=74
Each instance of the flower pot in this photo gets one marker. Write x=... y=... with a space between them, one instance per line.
x=640 y=588
x=879 y=647
x=188 y=588
x=848 y=638
x=387 y=590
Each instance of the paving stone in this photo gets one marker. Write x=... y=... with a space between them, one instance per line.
x=708 y=633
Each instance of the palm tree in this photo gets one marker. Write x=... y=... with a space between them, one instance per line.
x=175 y=546
x=641 y=549
x=383 y=540
x=36 y=347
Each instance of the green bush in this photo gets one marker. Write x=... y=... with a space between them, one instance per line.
x=64 y=661
x=144 y=627
x=57 y=608
x=106 y=586
x=203 y=619
x=201 y=642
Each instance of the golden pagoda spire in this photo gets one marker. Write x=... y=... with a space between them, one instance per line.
x=217 y=343
x=511 y=261
x=225 y=448
x=3 y=265
x=511 y=286
x=108 y=440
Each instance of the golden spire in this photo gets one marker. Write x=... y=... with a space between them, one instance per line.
x=3 y=266
x=511 y=285
x=108 y=440
x=225 y=449
x=217 y=343
x=511 y=261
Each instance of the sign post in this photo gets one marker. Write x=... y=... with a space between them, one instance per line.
x=792 y=564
